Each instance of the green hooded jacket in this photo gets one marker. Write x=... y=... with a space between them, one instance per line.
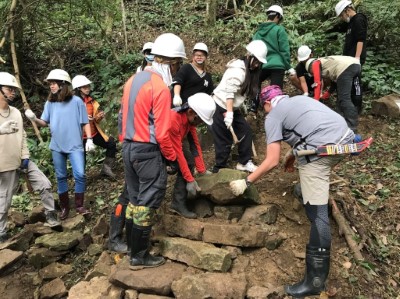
x=276 y=39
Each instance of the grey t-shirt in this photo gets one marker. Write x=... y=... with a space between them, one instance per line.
x=305 y=123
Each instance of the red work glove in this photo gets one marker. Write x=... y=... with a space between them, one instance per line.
x=326 y=95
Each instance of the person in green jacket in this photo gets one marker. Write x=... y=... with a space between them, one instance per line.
x=278 y=59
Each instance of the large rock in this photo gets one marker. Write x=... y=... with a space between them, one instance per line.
x=98 y=287
x=210 y=285
x=387 y=106
x=257 y=292
x=102 y=266
x=148 y=296
x=8 y=258
x=229 y=212
x=60 y=241
x=149 y=280
x=101 y=227
x=183 y=227
x=37 y=215
x=216 y=187
x=261 y=214
x=74 y=223
x=53 y=290
x=19 y=242
x=17 y=217
x=55 y=270
x=239 y=235
x=41 y=257
x=38 y=229
x=197 y=254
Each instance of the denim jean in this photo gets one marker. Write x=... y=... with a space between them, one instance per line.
x=78 y=170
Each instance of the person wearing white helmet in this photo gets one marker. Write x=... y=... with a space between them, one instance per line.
x=274 y=35
x=82 y=89
x=302 y=79
x=354 y=43
x=148 y=57
x=193 y=77
x=14 y=162
x=184 y=119
x=239 y=81
x=144 y=122
x=67 y=118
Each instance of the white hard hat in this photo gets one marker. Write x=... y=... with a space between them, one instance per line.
x=169 y=45
x=204 y=105
x=201 y=47
x=276 y=8
x=308 y=64
x=79 y=81
x=342 y=4
x=58 y=75
x=147 y=46
x=7 y=79
x=303 y=53
x=258 y=49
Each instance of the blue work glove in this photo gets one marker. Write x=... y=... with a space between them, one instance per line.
x=24 y=165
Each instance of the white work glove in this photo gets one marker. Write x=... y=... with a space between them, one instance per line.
x=292 y=71
x=9 y=127
x=228 y=119
x=29 y=114
x=192 y=188
x=89 y=145
x=305 y=94
x=238 y=187
x=177 y=100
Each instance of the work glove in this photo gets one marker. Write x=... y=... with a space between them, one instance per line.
x=9 y=127
x=305 y=94
x=238 y=187
x=177 y=100
x=192 y=188
x=326 y=95
x=207 y=172
x=29 y=114
x=292 y=72
x=24 y=165
x=228 y=119
x=89 y=145
x=172 y=167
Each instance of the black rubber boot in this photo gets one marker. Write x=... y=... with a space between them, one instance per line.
x=140 y=243
x=106 y=170
x=179 y=198
x=117 y=223
x=317 y=270
x=128 y=228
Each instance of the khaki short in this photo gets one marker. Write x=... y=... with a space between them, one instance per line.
x=314 y=179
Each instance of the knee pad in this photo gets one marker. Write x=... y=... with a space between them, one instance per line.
x=141 y=215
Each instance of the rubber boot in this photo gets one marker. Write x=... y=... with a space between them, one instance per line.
x=179 y=198
x=64 y=205
x=128 y=227
x=317 y=270
x=80 y=209
x=140 y=243
x=117 y=223
x=107 y=167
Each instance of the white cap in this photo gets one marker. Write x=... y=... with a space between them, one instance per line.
x=169 y=45
x=258 y=49
x=204 y=105
x=201 y=47
x=303 y=53
x=58 y=75
x=276 y=8
x=341 y=6
x=79 y=81
x=6 y=79
x=147 y=46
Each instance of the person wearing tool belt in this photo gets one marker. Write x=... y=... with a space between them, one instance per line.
x=14 y=158
x=200 y=107
x=239 y=81
x=303 y=124
x=144 y=123
x=81 y=86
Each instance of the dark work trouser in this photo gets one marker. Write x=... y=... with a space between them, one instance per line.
x=344 y=102
x=223 y=138
x=180 y=192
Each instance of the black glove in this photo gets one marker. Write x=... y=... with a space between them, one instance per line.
x=172 y=167
x=24 y=165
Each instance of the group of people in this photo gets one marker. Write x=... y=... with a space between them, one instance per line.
x=161 y=106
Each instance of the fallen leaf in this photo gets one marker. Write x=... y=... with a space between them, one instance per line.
x=384 y=240
x=323 y=295
x=331 y=292
x=379 y=186
x=393 y=283
x=397 y=227
x=284 y=193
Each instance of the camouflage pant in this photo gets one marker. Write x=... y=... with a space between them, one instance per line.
x=140 y=215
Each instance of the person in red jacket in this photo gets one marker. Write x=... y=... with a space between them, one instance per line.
x=200 y=107
x=144 y=124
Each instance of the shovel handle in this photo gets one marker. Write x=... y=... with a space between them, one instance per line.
x=235 y=139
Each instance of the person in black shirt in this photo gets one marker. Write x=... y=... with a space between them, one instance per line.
x=193 y=77
x=303 y=80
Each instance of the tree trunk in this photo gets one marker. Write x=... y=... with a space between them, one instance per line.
x=211 y=14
